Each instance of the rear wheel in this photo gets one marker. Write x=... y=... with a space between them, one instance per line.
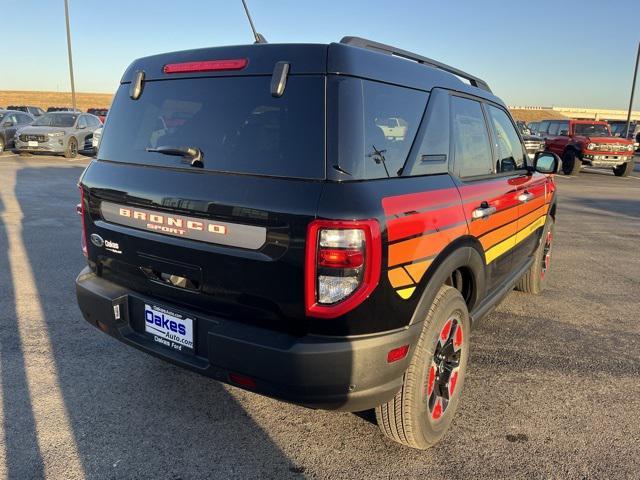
x=72 y=148
x=571 y=163
x=535 y=280
x=420 y=413
x=625 y=169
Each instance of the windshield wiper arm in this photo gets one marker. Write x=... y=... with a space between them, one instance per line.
x=195 y=154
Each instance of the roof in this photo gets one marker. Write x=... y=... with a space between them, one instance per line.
x=349 y=57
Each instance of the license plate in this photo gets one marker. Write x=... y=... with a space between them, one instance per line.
x=170 y=329
x=31 y=143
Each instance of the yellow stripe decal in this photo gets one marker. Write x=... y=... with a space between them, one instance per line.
x=406 y=292
x=506 y=245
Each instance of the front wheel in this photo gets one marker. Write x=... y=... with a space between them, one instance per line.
x=535 y=280
x=1 y=145
x=72 y=148
x=421 y=412
x=571 y=163
x=625 y=169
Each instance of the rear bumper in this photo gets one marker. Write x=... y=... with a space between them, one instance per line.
x=346 y=373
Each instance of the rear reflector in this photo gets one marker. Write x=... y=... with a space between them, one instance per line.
x=206 y=66
x=397 y=354
x=242 y=380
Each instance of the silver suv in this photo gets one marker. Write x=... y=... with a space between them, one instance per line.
x=59 y=133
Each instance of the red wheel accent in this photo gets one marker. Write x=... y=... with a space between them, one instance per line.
x=446 y=330
x=452 y=382
x=437 y=409
x=457 y=338
x=546 y=260
x=431 y=380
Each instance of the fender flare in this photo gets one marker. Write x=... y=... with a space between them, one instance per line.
x=575 y=147
x=463 y=252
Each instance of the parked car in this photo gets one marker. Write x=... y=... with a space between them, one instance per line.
x=63 y=109
x=11 y=121
x=59 y=133
x=101 y=113
x=33 y=111
x=619 y=129
x=588 y=142
x=533 y=143
x=346 y=281
x=97 y=135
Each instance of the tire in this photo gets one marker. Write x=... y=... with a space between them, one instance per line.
x=417 y=416
x=72 y=148
x=625 y=169
x=571 y=163
x=1 y=145
x=535 y=280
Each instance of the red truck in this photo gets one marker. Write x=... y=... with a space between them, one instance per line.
x=587 y=142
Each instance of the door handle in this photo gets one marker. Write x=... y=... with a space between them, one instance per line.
x=525 y=196
x=483 y=211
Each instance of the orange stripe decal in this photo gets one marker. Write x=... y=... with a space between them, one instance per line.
x=417 y=270
x=399 y=278
x=425 y=246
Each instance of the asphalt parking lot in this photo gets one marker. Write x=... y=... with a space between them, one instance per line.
x=553 y=389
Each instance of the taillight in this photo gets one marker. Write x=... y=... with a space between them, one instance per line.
x=80 y=210
x=206 y=66
x=342 y=265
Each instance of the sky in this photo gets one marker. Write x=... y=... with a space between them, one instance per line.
x=540 y=52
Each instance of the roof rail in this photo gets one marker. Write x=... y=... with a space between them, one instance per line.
x=388 y=49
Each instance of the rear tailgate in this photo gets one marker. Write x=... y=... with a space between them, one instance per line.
x=235 y=246
x=227 y=236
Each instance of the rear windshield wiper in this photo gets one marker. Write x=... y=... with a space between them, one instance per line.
x=193 y=153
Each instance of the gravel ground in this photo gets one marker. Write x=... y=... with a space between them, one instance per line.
x=553 y=388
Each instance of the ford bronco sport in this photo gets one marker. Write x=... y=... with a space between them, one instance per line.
x=588 y=142
x=277 y=238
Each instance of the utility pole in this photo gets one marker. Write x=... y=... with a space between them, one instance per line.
x=73 y=85
x=633 y=89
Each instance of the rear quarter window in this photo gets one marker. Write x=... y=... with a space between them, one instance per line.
x=371 y=126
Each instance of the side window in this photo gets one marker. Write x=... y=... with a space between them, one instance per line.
x=508 y=145
x=12 y=119
x=542 y=128
x=432 y=153
x=553 y=128
x=563 y=128
x=371 y=126
x=82 y=122
x=470 y=138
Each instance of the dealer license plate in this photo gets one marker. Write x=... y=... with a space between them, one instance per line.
x=168 y=328
x=31 y=143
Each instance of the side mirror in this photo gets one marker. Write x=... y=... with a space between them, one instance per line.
x=8 y=124
x=81 y=127
x=546 y=162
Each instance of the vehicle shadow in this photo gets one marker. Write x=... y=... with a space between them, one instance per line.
x=610 y=206
x=18 y=441
x=132 y=416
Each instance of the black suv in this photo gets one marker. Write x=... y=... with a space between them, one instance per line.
x=322 y=224
x=33 y=111
x=10 y=122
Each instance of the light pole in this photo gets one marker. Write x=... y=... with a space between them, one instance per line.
x=73 y=85
x=633 y=89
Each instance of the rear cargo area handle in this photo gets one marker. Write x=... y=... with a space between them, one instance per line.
x=170 y=279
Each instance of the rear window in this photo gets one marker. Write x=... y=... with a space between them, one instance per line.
x=371 y=126
x=234 y=121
